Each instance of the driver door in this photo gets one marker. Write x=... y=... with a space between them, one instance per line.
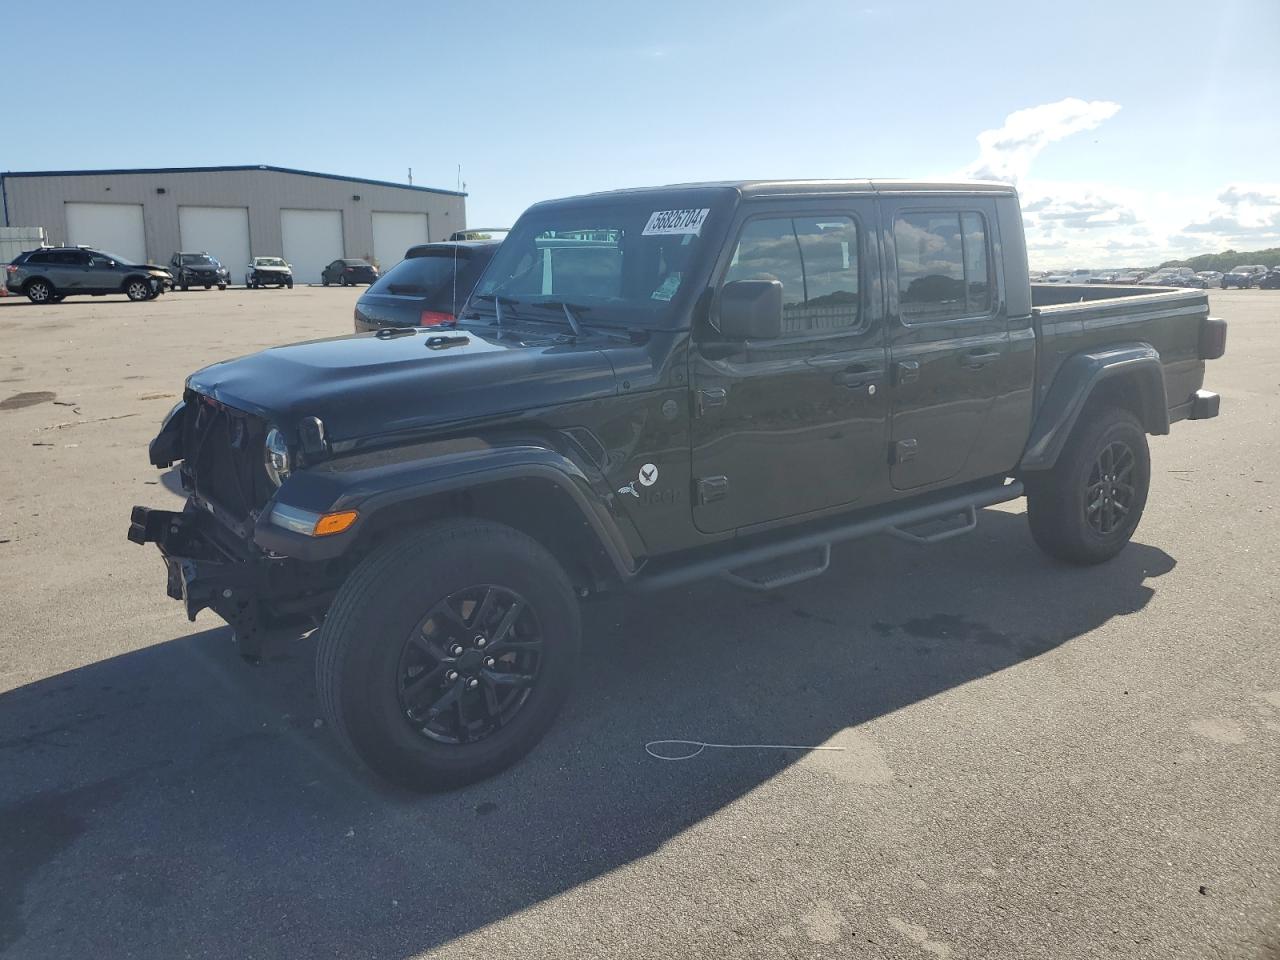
x=797 y=424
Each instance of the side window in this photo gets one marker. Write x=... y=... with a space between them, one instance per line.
x=66 y=258
x=40 y=257
x=84 y=258
x=816 y=261
x=943 y=265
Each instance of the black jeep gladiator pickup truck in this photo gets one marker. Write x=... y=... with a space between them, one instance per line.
x=647 y=387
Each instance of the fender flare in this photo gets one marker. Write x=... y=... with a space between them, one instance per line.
x=371 y=491
x=1076 y=381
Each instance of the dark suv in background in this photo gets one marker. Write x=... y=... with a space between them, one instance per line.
x=198 y=270
x=50 y=274
x=427 y=288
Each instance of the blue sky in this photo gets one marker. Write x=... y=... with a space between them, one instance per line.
x=1171 y=122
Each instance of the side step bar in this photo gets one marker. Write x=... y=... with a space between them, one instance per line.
x=746 y=566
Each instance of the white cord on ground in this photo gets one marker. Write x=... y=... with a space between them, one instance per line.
x=649 y=747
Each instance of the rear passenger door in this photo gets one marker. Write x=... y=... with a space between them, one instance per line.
x=948 y=333
x=794 y=425
x=71 y=273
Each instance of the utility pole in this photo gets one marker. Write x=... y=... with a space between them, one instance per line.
x=411 y=176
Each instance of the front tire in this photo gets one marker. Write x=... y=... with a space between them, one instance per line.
x=324 y=279
x=447 y=653
x=138 y=290
x=1087 y=507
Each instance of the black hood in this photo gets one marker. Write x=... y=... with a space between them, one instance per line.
x=366 y=386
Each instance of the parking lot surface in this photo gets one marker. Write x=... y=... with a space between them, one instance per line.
x=1038 y=761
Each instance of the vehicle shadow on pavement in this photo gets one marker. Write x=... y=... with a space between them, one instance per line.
x=175 y=799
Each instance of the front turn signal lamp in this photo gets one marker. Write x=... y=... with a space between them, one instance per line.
x=313 y=524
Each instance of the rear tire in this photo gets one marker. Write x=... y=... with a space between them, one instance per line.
x=41 y=291
x=463 y=715
x=1087 y=507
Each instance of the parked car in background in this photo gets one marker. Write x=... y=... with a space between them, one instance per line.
x=1211 y=278
x=1128 y=276
x=1271 y=281
x=1244 y=276
x=425 y=289
x=198 y=270
x=348 y=272
x=1174 y=277
x=50 y=274
x=268 y=272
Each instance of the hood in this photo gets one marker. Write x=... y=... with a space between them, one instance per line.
x=366 y=386
x=270 y=269
x=202 y=268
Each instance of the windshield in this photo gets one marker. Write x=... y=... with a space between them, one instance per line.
x=631 y=258
x=198 y=260
x=268 y=262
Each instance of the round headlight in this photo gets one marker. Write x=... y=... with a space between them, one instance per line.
x=276 y=456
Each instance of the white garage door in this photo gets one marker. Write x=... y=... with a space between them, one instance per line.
x=394 y=233
x=221 y=232
x=312 y=240
x=111 y=227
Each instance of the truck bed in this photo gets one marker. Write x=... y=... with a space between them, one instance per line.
x=1074 y=318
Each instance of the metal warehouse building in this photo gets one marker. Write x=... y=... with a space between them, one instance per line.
x=233 y=213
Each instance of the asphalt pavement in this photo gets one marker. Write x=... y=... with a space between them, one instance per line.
x=1038 y=760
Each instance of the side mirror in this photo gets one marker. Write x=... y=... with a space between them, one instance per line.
x=751 y=310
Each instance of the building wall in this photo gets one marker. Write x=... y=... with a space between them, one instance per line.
x=39 y=201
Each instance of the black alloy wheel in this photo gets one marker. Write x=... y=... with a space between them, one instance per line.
x=1110 y=493
x=470 y=665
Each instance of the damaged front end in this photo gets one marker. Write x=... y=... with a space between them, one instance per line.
x=208 y=547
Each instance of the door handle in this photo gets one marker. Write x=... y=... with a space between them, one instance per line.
x=977 y=359
x=711 y=397
x=855 y=377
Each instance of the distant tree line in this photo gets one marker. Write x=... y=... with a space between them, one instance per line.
x=1222 y=262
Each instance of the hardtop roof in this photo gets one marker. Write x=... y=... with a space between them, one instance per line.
x=789 y=188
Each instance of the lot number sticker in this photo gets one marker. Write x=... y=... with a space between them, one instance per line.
x=675 y=222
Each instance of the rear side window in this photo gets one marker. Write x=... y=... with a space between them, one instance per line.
x=40 y=257
x=420 y=276
x=944 y=268
x=816 y=261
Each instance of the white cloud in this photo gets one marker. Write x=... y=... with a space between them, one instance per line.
x=1099 y=225
x=1007 y=152
x=1246 y=214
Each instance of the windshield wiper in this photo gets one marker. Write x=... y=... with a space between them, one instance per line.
x=573 y=312
x=497 y=304
x=573 y=320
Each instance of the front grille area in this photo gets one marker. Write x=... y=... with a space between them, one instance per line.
x=223 y=456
